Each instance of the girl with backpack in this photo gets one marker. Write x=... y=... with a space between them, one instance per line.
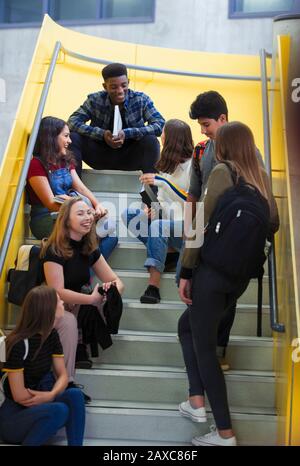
x=208 y=289
x=160 y=234
x=52 y=178
x=37 y=403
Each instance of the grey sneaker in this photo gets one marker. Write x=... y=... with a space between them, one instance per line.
x=213 y=439
x=196 y=415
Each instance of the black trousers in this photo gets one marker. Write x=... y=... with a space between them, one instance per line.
x=212 y=295
x=139 y=154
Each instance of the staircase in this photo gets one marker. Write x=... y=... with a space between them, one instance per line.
x=137 y=384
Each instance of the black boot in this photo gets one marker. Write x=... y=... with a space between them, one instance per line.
x=82 y=359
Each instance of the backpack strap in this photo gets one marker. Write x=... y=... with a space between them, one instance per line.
x=233 y=173
x=199 y=150
x=259 y=305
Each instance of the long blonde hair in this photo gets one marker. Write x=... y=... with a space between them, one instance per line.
x=59 y=240
x=235 y=145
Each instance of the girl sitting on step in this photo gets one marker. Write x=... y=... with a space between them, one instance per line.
x=52 y=173
x=68 y=255
x=164 y=232
x=37 y=404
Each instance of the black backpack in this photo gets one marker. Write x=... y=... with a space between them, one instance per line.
x=26 y=275
x=236 y=236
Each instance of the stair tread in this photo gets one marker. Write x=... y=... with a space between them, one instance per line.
x=150 y=408
x=162 y=371
x=121 y=244
x=169 y=275
x=93 y=442
x=172 y=337
x=132 y=303
x=111 y=172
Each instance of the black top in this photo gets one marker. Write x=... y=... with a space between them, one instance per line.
x=34 y=369
x=77 y=268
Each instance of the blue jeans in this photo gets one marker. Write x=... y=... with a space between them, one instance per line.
x=157 y=236
x=36 y=425
x=107 y=245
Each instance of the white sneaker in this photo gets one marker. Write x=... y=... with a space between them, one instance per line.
x=197 y=415
x=214 y=439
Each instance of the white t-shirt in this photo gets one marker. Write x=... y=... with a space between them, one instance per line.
x=172 y=189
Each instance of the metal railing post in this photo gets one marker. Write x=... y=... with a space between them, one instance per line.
x=275 y=325
x=27 y=157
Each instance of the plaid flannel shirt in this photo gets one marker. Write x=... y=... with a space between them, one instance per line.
x=139 y=109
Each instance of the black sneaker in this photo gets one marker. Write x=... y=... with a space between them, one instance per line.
x=151 y=295
x=87 y=398
x=82 y=359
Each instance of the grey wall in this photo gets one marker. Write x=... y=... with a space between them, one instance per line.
x=182 y=24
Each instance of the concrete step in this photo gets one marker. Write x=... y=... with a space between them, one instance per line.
x=92 y=442
x=164 y=316
x=136 y=282
x=163 y=349
x=112 y=180
x=141 y=423
x=170 y=385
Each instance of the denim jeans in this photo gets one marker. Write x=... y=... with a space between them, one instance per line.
x=157 y=236
x=107 y=245
x=35 y=426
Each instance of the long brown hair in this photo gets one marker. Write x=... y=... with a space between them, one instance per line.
x=59 y=240
x=46 y=146
x=37 y=317
x=235 y=145
x=178 y=146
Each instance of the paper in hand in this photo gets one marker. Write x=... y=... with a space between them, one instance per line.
x=117 y=121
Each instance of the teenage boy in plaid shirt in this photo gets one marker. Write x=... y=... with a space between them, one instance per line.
x=136 y=146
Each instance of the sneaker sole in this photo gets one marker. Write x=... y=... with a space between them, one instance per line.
x=198 y=443
x=149 y=300
x=203 y=444
x=190 y=416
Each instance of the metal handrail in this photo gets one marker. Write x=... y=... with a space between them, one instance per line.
x=102 y=61
x=27 y=157
x=275 y=325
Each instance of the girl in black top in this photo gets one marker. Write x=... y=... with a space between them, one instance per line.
x=69 y=254
x=36 y=403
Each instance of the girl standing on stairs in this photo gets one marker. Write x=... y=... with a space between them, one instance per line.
x=37 y=404
x=209 y=292
x=160 y=234
x=52 y=173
